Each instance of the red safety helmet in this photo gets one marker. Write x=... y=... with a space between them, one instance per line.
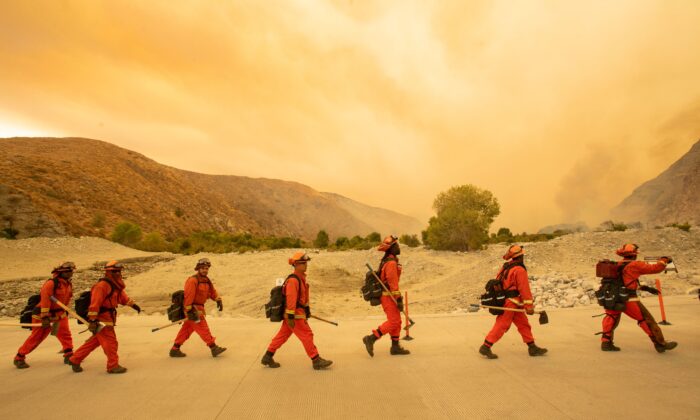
x=203 y=262
x=514 y=251
x=628 y=250
x=299 y=256
x=387 y=243
x=66 y=266
x=114 y=265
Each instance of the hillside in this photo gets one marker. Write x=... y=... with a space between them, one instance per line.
x=669 y=198
x=75 y=186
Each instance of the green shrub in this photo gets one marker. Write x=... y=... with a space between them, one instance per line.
x=10 y=233
x=98 y=220
x=374 y=238
x=322 y=239
x=154 y=242
x=684 y=226
x=410 y=241
x=127 y=233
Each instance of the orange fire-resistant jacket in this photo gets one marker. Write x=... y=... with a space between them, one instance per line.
x=631 y=273
x=390 y=275
x=107 y=294
x=517 y=280
x=197 y=290
x=64 y=292
x=296 y=292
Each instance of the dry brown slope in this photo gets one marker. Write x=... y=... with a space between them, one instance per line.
x=52 y=186
x=670 y=197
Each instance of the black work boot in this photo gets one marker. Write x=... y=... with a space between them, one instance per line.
x=486 y=351
x=176 y=352
x=320 y=363
x=216 y=350
x=267 y=360
x=76 y=367
x=396 y=349
x=117 y=369
x=608 y=346
x=533 y=350
x=21 y=364
x=669 y=345
x=369 y=343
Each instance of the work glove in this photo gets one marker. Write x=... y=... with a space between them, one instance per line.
x=92 y=326
x=220 y=305
x=530 y=310
x=192 y=315
x=307 y=309
x=399 y=304
x=136 y=307
x=290 y=323
x=668 y=260
x=45 y=322
x=652 y=290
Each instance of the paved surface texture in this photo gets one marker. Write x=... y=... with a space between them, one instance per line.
x=443 y=378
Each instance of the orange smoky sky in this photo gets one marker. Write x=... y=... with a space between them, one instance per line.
x=560 y=108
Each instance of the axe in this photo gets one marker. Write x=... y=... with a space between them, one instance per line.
x=544 y=319
x=17 y=324
x=168 y=325
x=73 y=314
x=324 y=320
x=410 y=321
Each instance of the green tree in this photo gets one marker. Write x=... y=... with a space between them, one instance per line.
x=410 y=241
x=504 y=231
x=374 y=238
x=153 y=242
x=463 y=217
x=322 y=239
x=342 y=242
x=127 y=233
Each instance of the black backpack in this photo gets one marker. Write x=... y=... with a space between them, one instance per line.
x=82 y=303
x=274 y=309
x=612 y=293
x=25 y=317
x=495 y=294
x=372 y=290
x=176 y=311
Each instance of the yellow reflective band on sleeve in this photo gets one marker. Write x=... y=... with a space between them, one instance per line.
x=92 y=313
x=288 y=311
x=43 y=310
x=299 y=316
x=516 y=301
x=187 y=308
x=527 y=302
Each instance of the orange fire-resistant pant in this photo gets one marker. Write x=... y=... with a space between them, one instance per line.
x=39 y=334
x=201 y=328
x=303 y=333
x=612 y=319
x=106 y=338
x=392 y=325
x=503 y=322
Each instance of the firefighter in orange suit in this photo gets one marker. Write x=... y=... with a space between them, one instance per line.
x=47 y=312
x=297 y=311
x=513 y=276
x=634 y=309
x=105 y=296
x=389 y=274
x=198 y=289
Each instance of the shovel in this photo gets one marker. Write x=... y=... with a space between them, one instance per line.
x=168 y=325
x=324 y=320
x=544 y=319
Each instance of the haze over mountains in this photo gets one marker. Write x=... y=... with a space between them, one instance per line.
x=77 y=186
x=671 y=197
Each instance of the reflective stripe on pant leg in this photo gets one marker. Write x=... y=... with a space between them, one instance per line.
x=185 y=332
x=500 y=327
x=64 y=337
x=108 y=340
x=83 y=351
x=280 y=338
x=520 y=320
x=35 y=338
x=306 y=336
x=202 y=329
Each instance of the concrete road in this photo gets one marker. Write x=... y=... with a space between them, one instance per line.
x=443 y=378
